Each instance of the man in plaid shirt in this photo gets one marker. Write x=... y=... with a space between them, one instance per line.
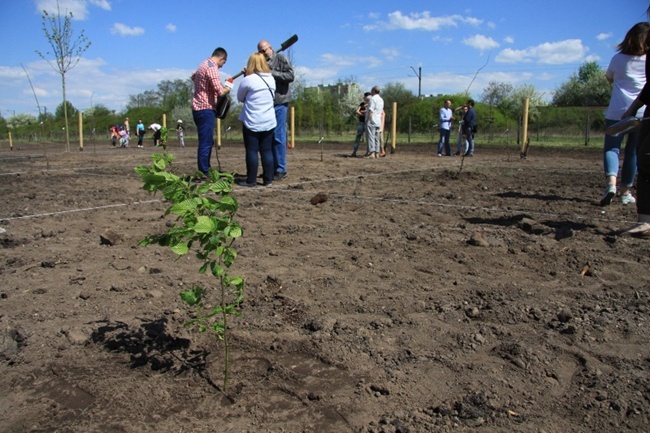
x=207 y=88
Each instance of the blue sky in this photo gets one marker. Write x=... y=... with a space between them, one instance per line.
x=137 y=43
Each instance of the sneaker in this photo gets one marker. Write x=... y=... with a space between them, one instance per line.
x=628 y=199
x=440 y=154
x=354 y=155
x=608 y=195
x=246 y=184
x=279 y=175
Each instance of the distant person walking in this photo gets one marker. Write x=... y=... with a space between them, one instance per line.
x=627 y=71
x=445 y=117
x=207 y=88
x=283 y=75
x=361 y=122
x=180 y=133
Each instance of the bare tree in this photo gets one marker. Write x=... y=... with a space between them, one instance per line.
x=66 y=49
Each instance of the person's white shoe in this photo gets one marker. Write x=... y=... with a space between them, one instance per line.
x=628 y=199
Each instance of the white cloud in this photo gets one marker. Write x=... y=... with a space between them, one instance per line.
x=444 y=39
x=390 y=54
x=509 y=40
x=421 y=21
x=603 y=36
x=509 y=55
x=550 y=53
x=481 y=42
x=78 y=8
x=171 y=28
x=124 y=30
x=339 y=61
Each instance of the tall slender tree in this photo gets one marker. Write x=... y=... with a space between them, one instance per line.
x=66 y=49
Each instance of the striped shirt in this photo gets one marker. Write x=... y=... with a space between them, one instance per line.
x=207 y=86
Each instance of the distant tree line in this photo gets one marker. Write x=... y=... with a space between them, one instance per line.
x=330 y=110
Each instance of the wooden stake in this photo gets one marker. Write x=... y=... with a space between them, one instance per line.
x=11 y=143
x=164 y=120
x=524 y=135
x=81 y=132
x=393 y=127
x=218 y=133
x=292 y=144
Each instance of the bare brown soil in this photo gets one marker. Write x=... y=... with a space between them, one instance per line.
x=418 y=297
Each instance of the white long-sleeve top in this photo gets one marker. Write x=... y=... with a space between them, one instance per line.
x=258 y=113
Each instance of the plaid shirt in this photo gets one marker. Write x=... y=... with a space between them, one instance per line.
x=207 y=86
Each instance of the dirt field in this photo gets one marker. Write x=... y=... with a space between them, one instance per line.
x=419 y=297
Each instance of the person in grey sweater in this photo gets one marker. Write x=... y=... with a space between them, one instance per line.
x=282 y=72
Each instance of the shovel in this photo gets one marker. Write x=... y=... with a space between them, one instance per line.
x=629 y=124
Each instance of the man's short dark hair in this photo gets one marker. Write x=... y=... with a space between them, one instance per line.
x=366 y=94
x=219 y=52
x=470 y=102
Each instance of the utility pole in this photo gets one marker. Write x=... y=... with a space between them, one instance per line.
x=419 y=75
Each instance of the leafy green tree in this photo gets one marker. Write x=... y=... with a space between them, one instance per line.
x=64 y=111
x=65 y=48
x=149 y=98
x=397 y=92
x=21 y=120
x=586 y=88
x=499 y=96
x=168 y=95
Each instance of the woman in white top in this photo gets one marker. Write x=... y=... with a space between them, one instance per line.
x=257 y=91
x=627 y=71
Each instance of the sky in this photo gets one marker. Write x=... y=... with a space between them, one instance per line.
x=452 y=46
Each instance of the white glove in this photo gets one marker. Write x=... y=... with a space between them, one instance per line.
x=228 y=84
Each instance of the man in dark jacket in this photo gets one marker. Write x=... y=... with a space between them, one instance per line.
x=282 y=71
x=469 y=126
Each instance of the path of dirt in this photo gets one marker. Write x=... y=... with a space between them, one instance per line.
x=419 y=297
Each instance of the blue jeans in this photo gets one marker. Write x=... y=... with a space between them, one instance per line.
x=643 y=161
x=280 y=139
x=258 y=142
x=612 y=152
x=444 y=141
x=361 y=127
x=469 y=136
x=204 y=120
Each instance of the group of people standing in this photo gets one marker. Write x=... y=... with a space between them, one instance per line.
x=121 y=134
x=265 y=94
x=466 y=128
x=371 y=118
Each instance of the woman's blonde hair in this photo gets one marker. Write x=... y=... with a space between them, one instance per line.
x=257 y=63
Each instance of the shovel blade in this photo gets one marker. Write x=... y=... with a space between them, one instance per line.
x=624 y=126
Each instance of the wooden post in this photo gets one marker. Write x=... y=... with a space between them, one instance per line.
x=11 y=143
x=393 y=129
x=81 y=132
x=524 y=135
x=218 y=133
x=164 y=120
x=292 y=143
